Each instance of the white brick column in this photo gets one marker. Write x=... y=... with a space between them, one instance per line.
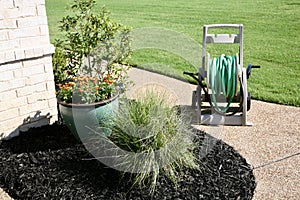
x=27 y=91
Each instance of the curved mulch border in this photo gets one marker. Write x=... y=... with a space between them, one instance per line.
x=47 y=163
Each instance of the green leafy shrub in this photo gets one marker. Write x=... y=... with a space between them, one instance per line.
x=94 y=46
x=59 y=65
x=84 y=32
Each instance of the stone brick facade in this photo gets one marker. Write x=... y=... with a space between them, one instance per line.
x=27 y=90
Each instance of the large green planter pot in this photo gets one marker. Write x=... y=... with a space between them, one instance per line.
x=84 y=120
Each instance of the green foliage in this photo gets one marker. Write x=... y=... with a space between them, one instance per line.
x=87 y=32
x=59 y=65
x=93 y=46
x=84 y=31
x=148 y=126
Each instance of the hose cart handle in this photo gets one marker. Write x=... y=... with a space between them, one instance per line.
x=250 y=66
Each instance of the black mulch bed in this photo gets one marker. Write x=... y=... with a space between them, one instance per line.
x=47 y=163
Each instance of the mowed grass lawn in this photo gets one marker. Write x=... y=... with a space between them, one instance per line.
x=271 y=37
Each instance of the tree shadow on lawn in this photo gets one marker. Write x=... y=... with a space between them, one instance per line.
x=49 y=163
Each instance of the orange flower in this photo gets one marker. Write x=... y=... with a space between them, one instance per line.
x=91 y=78
x=71 y=83
x=107 y=81
x=67 y=88
x=81 y=78
x=80 y=90
x=97 y=87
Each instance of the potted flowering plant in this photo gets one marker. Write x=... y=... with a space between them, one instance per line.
x=92 y=73
x=86 y=89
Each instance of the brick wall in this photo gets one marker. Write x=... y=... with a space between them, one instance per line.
x=27 y=91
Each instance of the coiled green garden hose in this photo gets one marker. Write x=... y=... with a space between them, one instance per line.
x=222 y=79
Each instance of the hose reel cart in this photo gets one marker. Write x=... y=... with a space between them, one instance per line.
x=221 y=96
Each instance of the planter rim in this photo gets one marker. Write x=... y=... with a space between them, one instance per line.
x=86 y=105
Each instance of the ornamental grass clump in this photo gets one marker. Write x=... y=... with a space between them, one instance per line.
x=159 y=141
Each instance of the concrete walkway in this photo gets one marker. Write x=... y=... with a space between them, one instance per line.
x=4 y=195
x=271 y=146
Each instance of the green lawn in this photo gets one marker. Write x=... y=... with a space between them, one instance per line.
x=271 y=37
